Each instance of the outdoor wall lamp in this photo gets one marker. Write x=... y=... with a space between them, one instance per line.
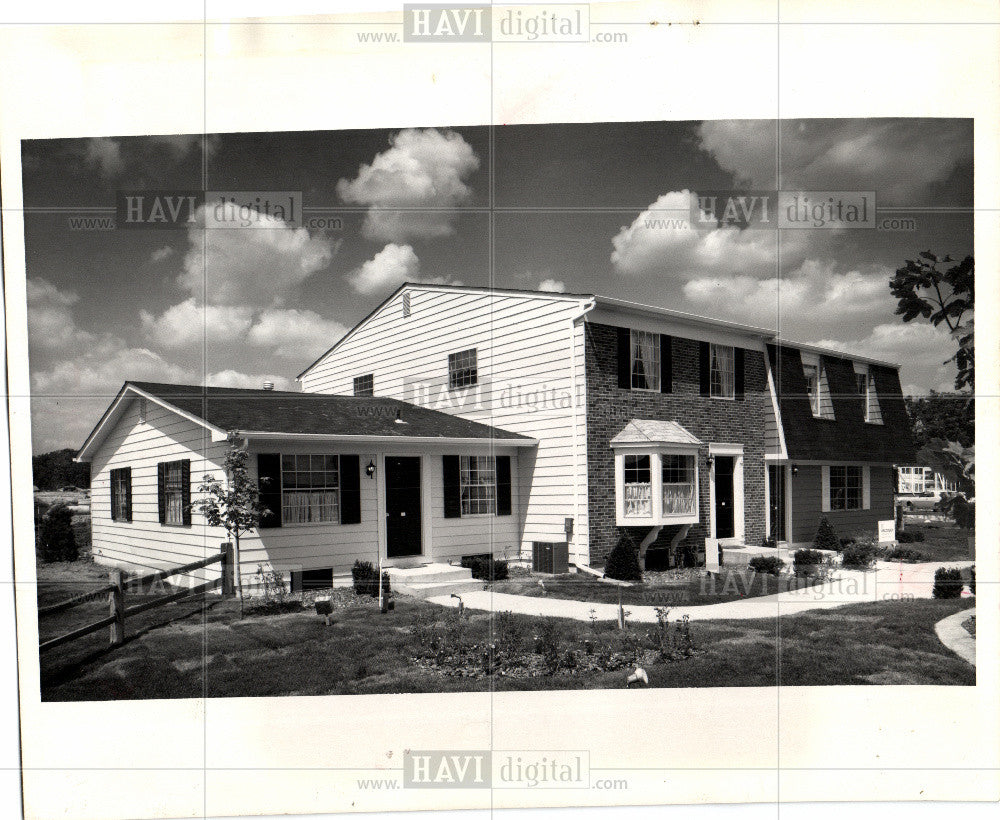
x=370 y=469
x=710 y=461
x=795 y=469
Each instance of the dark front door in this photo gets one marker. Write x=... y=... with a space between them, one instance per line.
x=725 y=522
x=402 y=506
x=776 y=490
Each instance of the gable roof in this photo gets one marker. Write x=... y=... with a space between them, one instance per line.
x=284 y=414
x=649 y=431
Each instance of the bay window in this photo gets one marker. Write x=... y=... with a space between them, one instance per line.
x=678 y=484
x=656 y=488
x=638 y=487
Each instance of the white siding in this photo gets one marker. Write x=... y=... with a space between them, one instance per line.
x=144 y=545
x=525 y=347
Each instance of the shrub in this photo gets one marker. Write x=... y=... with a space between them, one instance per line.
x=623 y=562
x=807 y=557
x=486 y=568
x=365 y=578
x=948 y=583
x=961 y=510
x=771 y=564
x=905 y=554
x=846 y=542
x=972 y=579
x=860 y=554
x=909 y=536
x=55 y=540
x=826 y=538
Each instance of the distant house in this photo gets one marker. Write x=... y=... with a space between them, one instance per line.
x=522 y=417
x=923 y=482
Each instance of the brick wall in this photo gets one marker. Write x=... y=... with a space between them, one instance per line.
x=610 y=408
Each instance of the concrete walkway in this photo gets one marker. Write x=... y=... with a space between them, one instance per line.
x=955 y=636
x=887 y=582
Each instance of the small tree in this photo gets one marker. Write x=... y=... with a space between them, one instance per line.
x=56 y=540
x=623 y=562
x=234 y=506
x=826 y=538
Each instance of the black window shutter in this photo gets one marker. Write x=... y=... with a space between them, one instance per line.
x=186 y=492
x=452 y=487
x=350 y=489
x=666 y=364
x=739 y=365
x=269 y=487
x=503 y=485
x=624 y=358
x=161 y=490
x=705 y=367
x=128 y=493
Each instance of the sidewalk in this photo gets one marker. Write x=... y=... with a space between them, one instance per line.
x=887 y=582
x=955 y=636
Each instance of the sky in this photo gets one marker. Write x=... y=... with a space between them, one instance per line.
x=569 y=207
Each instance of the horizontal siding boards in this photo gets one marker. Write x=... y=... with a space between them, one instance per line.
x=848 y=437
x=807 y=499
x=524 y=353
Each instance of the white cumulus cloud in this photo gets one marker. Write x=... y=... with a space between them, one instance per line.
x=294 y=334
x=190 y=323
x=422 y=169
x=389 y=268
x=234 y=378
x=51 y=325
x=258 y=264
x=552 y=286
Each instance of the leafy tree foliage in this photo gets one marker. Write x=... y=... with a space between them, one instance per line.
x=947 y=416
x=235 y=506
x=942 y=293
x=57 y=469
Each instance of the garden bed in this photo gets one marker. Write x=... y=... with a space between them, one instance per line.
x=688 y=587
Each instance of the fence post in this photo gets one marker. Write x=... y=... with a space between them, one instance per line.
x=116 y=606
x=228 y=580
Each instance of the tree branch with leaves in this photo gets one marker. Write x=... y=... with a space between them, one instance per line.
x=942 y=293
x=235 y=506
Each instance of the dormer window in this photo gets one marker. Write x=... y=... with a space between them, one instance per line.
x=868 y=393
x=817 y=387
x=811 y=372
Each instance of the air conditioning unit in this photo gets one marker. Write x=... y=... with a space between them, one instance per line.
x=551 y=557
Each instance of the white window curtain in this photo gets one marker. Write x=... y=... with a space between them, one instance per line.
x=723 y=371
x=678 y=484
x=638 y=487
x=645 y=360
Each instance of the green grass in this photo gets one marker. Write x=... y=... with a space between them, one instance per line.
x=695 y=589
x=201 y=649
x=942 y=542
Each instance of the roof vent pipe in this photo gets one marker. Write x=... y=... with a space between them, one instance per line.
x=269 y=385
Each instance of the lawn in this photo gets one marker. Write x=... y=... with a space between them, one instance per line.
x=201 y=648
x=943 y=541
x=666 y=589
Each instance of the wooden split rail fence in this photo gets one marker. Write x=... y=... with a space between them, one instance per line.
x=115 y=590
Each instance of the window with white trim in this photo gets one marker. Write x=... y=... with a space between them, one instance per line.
x=478 y=483
x=846 y=487
x=638 y=487
x=310 y=489
x=462 y=369
x=723 y=372
x=645 y=347
x=678 y=484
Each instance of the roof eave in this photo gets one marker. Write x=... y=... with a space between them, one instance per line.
x=271 y=435
x=686 y=318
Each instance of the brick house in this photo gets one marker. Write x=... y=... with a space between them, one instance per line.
x=596 y=415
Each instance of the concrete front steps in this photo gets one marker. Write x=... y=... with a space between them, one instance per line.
x=432 y=580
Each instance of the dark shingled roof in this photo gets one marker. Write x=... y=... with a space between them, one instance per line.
x=848 y=437
x=279 y=411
